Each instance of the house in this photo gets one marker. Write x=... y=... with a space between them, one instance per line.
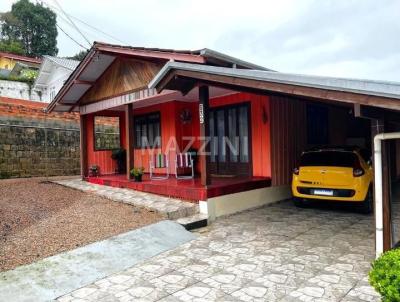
x=9 y=60
x=53 y=72
x=247 y=124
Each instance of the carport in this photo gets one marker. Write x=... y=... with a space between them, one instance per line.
x=309 y=110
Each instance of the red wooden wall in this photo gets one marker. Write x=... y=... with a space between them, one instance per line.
x=261 y=155
x=103 y=158
x=173 y=132
x=288 y=137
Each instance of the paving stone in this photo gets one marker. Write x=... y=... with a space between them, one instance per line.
x=258 y=255
x=169 y=207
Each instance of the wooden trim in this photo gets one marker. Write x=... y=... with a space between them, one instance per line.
x=289 y=89
x=225 y=108
x=124 y=98
x=130 y=139
x=204 y=101
x=83 y=146
x=152 y=54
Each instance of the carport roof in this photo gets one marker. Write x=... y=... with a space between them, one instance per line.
x=184 y=76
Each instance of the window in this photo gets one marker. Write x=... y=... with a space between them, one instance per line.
x=329 y=158
x=52 y=93
x=148 y=130
x=317 y=125
x=106 y=133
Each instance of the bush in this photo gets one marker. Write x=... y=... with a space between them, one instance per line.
x=385 y=275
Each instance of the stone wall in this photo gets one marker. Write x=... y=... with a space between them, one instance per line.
x=35 y=144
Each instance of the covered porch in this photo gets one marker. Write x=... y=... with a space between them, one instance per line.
x=187 y=189
x=172 y=124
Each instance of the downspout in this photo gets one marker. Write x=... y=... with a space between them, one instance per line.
x=378 y=187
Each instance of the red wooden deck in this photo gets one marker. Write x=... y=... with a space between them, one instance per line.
x=189 y=189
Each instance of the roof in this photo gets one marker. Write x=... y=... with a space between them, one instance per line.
x=102 y=55
x=20 y=58
x=215 y=56
x=47 y=65
x=63 y=62
x=340 y=89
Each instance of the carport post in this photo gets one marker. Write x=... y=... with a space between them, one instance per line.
x=204 y=134
x=379 y=238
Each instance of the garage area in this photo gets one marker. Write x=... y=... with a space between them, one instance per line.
x=300 y=124
x=308 y=111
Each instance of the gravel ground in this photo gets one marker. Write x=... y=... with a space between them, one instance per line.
x=39 y=219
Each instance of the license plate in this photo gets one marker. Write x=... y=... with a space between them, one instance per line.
x=323 y=192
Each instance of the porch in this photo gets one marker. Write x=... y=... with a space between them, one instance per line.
x=187 y=189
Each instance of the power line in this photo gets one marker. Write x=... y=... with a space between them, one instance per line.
x=71 y=37
x=74 y=25
x=88 y=25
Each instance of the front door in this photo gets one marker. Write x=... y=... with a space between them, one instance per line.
x=230 y=141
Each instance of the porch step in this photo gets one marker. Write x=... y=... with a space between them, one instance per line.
x=170 y=208
x=193 y=222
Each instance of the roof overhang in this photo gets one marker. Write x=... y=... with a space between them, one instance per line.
x=98 y=59
x=183 y=77
x=102 y=55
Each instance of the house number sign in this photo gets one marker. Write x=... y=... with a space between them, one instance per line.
x=201 y=113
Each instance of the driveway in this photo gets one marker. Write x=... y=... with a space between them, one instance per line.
x=275 y=253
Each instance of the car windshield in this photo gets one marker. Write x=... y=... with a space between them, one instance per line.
x=329 y=158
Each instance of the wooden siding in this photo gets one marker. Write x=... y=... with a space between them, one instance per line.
x=260 y=129
x=173 y=133
x=103 y=158
x=124 y=75
x=288 y=137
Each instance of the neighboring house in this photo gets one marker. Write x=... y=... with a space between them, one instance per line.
x=8 y=61
x=248 y=124
x=52 y=74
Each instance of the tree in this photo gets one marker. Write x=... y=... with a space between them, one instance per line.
x=79 y=56
x=12 y=47
x=32 y=25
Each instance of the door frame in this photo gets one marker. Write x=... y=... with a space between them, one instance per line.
x=226 y=107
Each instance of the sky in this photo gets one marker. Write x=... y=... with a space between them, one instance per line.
x=342 y=38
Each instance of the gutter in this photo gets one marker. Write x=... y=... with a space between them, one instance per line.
x=378 y=187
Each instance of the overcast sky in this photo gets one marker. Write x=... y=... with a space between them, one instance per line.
x=346 y=38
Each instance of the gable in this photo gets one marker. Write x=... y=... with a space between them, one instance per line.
x=123 y=76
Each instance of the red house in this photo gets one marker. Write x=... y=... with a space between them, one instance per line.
x=244 y=125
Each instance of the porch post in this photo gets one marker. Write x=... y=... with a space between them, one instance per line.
x=129 y=127
x=83 y=146
x=378 y=126
x=204 y=134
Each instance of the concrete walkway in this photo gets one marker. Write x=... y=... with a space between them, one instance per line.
x=275 y=253
x=171 y=208
x=52 y=277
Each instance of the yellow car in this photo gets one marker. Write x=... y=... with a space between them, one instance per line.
x=334 y=174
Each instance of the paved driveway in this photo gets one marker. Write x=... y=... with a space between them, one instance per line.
x=276 y=253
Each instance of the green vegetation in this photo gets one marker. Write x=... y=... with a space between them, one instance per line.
x=31 y=26
x=12 y=47
x=385 y=275
x=79 y=56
